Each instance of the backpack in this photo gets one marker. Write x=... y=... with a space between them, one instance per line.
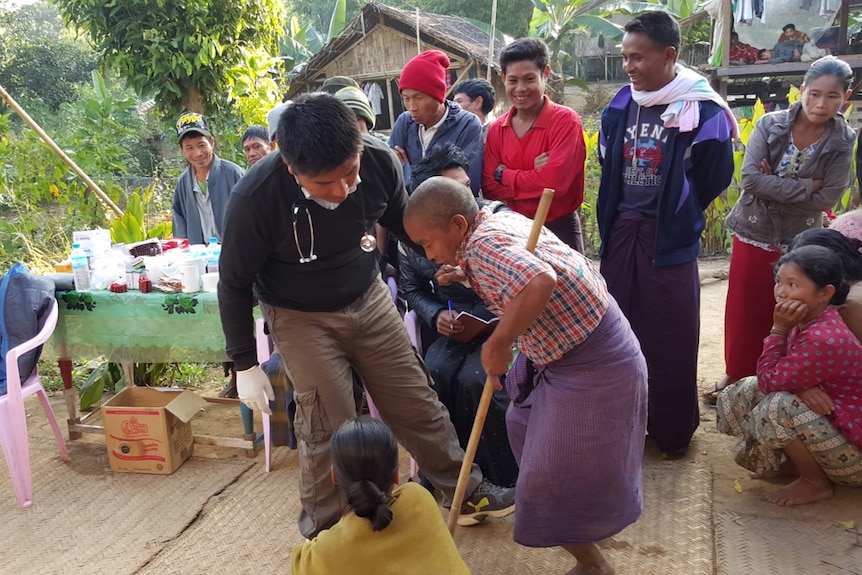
x=25 y=301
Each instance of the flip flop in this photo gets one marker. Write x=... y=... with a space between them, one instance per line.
x=710 y=394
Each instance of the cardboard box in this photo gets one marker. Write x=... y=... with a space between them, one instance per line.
x=148 y=430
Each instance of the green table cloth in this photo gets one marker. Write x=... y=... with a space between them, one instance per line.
x=150 y=327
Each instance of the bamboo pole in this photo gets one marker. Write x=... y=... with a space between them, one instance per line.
x=488 y=390
x=493 y=32
x=103 y=197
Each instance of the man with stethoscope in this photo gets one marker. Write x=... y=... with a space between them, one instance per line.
x=299 y=237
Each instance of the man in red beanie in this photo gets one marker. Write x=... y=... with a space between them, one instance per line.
x=432 y=120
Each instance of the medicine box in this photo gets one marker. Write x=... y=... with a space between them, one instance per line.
x=95 y=243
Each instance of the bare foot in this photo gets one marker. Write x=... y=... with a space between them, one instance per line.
x=786 y=469
x=800 y=492
x=590 y=560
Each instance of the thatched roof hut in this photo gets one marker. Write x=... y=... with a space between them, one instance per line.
x=375 y=45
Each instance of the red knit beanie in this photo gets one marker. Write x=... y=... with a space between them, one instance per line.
x=426 y=73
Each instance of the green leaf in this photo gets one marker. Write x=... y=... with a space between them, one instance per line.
x=575 y=81
x=336 y=22
x=99 y=86
x=91 y=392
x=596 y=25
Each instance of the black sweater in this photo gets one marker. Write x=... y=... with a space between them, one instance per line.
x=260 y=256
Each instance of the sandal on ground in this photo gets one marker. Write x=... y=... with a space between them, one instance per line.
x=710 y=394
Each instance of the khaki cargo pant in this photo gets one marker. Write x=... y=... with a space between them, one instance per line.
x=319 y=348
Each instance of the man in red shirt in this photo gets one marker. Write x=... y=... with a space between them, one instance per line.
x=535 y=145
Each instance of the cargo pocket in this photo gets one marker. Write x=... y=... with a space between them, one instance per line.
x=310 y=423
x=425 y=369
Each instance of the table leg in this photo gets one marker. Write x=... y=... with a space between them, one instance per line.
x=128 y=371
x=70 y=395
x=247 y=421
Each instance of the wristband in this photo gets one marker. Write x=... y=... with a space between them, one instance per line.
x=778 y=332
x=498 y=173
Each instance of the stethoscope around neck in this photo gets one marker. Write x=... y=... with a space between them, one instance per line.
x=367 y=243
x=303 y=259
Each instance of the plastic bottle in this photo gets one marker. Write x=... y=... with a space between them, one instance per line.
x=80 y=268
x=213 y=254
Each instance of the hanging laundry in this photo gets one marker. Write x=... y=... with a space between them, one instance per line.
x=828 y=8
x=375 y=96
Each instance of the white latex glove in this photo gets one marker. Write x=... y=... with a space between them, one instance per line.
x=254 y=388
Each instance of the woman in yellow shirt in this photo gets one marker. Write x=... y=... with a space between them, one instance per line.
x=386 y=529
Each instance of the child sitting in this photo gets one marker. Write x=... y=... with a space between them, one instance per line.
x=386 y=531
x=577 y=420
x=800 y=415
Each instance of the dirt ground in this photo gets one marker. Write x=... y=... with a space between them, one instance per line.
x=733 y=489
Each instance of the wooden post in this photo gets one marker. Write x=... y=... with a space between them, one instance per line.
x=128 y=371
x=842 y=28
x=488 y=390
x=727 y=19
x=391 y=106
x=461 y=76
x=491 y=43
x=103 y=197
x=418 y=40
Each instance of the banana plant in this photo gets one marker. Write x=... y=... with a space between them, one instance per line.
x=557 y=21
x=302 y=41
x=134 y=225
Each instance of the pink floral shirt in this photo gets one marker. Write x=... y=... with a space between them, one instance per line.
x=823 y=353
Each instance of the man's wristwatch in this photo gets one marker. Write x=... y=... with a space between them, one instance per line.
x=498 y=173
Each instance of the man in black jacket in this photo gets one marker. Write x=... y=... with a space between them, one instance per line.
x=299 y=237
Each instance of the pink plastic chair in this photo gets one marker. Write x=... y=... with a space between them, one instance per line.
x=13 y=418
x=411 y=322
x=263 y=353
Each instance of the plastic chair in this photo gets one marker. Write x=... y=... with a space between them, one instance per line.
x=393 y=289
x=13 y=418
x=263 y=353
x=412 y=323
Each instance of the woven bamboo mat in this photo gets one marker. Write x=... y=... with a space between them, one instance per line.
x=673 y=536
x=782 y=545
x=253 y=523
x=86 y=519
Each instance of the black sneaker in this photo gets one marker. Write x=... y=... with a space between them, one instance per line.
x=488 y=500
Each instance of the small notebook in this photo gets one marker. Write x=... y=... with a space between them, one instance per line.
x=474 y=326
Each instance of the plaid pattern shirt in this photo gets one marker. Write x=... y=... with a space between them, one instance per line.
x=498 y=266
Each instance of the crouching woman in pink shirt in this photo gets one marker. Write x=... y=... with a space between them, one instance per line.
x=800 y=416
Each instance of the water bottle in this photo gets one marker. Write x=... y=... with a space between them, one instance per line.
x=80 y=268
x=213 y=254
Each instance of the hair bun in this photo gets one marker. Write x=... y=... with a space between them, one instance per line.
x=367 y=500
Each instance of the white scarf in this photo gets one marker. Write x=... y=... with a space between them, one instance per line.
x=682 y=96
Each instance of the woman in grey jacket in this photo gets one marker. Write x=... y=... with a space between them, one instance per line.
x=797 y=164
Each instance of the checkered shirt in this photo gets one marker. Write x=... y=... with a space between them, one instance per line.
x=498 y=266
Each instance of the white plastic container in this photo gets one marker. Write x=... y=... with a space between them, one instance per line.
x=190 y=275
x=210 y=282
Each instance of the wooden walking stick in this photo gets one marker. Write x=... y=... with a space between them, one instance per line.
x=488 y=390
x=103 y=197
